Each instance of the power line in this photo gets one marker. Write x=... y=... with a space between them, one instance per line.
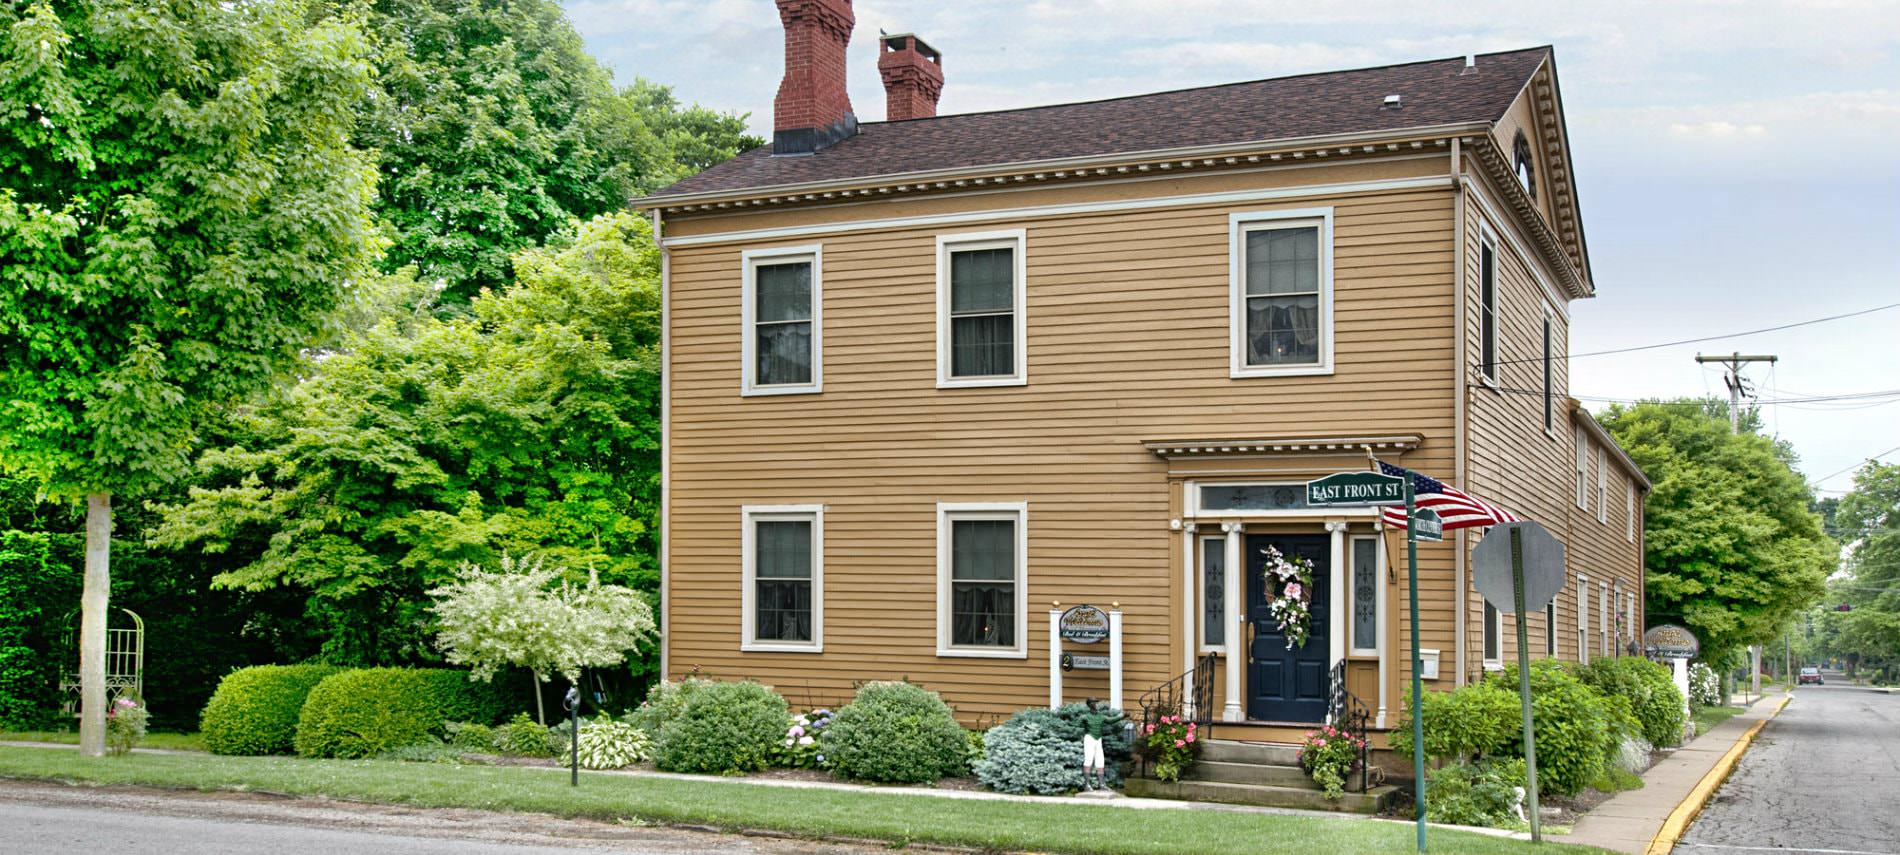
x=1857 y=465
x=1708 y=338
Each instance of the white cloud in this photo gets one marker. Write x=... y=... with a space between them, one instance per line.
x=1715 y=129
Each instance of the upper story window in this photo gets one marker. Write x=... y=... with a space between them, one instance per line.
x=980 y=322
x=1629 y=512
x=1550 y=392
x=1488 y=309
x=1525 y=165
x=1282 y=293
x=1583 y=469
x=1603 y=485
x=782 y=321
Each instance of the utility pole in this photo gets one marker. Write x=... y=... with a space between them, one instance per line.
x=1737 y=386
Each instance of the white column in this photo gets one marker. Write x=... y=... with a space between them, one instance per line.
x=1190 y=609
x=1236 y=655
x=1337 y=612
x=1055 y=657
x=1115 y=656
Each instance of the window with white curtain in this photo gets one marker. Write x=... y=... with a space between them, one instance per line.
x=1282 y=293
x=980 y=324
x=782 y=308
x=783 y=577
x=982 y=572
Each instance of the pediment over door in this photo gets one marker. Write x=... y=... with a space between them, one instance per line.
x=1304 y=456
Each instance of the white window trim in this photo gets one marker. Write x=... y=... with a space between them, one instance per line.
x=1629 y=512
x=1583 y=468
x=1603 y=485
x=1603 y=618
x=1018 y=239
x=1237 y=227
x=1378 y=596
x=1017 y=511
x=751 y=259
x=1550 y=626
x=1200 y=597
x=1492 y=663
x=1550 y=355
x=750 y=514
x=1583 y=619
x=1487 y=239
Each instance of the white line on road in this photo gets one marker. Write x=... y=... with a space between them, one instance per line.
x=1790 y=851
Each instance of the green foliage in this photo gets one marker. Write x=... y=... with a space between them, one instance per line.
x=1328 y=755
x=431 y=751
x=972 y=751
x=125 y=726
x=1040 y=751
x=724 y=729
x=1648 y=687
x=1482 y=794
x=366 y=712
x=522 y=736
x=665 y=701
x=1579 y=730
x=529 y=426
x=495 y=128
x=1868 y=517
x=1474 y=721
x=609 y=744
x=255 y=710
x=894 y=732
x=487 y=620
x=1731 y=545
x=183 y=212
x=37 y=585
x=470 y=736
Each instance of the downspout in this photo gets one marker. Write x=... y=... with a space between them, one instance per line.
x=666 y=447
x=1459 y=399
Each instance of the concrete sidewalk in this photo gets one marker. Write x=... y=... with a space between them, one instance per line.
x=1629 y=821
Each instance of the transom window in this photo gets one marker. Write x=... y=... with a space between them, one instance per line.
x=980 y=315
x=784 y=577
x=1252 y=497
x=982 y=610
x=1282 y=293
x=782 y=327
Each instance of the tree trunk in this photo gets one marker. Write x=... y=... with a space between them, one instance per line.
x=540 y=714
x=92 y=626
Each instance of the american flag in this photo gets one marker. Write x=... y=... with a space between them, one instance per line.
x=1457 y=508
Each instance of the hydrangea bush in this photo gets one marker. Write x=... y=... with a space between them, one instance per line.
x=800 y=749
x=1705 y=686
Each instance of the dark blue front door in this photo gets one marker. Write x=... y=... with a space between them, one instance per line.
x=1282 y=684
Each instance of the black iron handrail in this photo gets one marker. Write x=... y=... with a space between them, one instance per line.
x=1345 y=711
x=1176 y=697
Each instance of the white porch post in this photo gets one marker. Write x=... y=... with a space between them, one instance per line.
x=1055 y=657
x=1115 y=656
x=1336 y=611
x=1385 y=653
x=1236 y=656
x=1190 y=608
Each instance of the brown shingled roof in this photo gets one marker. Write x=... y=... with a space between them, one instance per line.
x=1435 y=92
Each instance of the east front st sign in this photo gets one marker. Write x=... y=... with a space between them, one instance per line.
x=1356 y=488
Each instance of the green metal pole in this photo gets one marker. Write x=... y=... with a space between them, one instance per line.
x=1418 y=663
x=1524 y=682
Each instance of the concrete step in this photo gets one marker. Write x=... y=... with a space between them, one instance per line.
x=1254 y=794
x=1249 y=773
x=1255 y=753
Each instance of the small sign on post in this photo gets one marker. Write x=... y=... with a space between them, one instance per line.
x=1428 y=525
x=1355 y=489
x=1084 y=624
x=1518 y=568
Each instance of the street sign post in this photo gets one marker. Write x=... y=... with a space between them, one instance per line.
x=1529 y=564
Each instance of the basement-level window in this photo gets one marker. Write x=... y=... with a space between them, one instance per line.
x=1282 y=293
x=982 y=574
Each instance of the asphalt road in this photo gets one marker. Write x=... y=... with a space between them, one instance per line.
x=1821 y=778
x=44 y=819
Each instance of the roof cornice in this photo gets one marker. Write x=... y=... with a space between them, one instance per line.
x=1251 y=153
x=1178 y=448
x=1503 y=181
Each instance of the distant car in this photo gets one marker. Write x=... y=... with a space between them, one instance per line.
x=1810 y=675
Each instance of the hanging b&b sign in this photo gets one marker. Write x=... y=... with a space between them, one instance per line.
x=1084 y=625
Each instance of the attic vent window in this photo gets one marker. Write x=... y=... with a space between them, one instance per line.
x=1391 y=103
x=1524 y=166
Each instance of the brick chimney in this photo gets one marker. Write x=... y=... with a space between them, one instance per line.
x=913 y=77
x=813 y=109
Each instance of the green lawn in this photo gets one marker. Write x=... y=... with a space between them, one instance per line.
x=1708 y=717
x=986 y=824
x=168 y=741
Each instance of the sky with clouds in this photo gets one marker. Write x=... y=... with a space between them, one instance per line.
x=1738 y=161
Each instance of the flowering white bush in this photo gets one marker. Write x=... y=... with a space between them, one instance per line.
x=1289 y=585
x=518 y=616
x=1705 y=686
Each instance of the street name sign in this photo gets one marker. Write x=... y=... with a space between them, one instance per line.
x=1355 y=488
x=1428 y=525
x=1542 y=560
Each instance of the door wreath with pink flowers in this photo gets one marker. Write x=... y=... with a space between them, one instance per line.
x=1289 y=592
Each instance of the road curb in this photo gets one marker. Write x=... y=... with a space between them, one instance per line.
x=1678 y=822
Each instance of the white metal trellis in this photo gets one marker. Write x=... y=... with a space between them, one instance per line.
x=125 y=665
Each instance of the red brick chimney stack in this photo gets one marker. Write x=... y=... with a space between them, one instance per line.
x=813 y=109
x=913 y=77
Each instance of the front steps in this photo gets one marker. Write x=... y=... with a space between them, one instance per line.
x=1252 y=773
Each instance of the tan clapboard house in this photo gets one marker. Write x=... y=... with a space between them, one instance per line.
x=930 y=378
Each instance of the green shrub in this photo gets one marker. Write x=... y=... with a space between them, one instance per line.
x=432 y=751
x=665 y=701
x=1472 y=722
x=469 y=736
x=1579 y=731
x=365 y=713
x=972 y=751
x=522 y=736
x=1482 y=794
x=609 y=744
x=893 y=732
x=255 y=710
x=1040 y=751
x=1651 y=691
x=723 y=729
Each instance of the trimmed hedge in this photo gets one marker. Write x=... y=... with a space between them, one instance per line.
x=723 y=729
x=896 y=733
x=255 y=710
x=1649 y=688
x=365 y=713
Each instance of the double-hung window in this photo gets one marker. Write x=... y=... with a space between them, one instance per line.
x=1583 y=469
x=1281 y=267
x=1583 y=619
x=1493 y=634
x=1488 y=310
x=1629 y=512
x=1550 y=392
x=784 y=577
x=981 y=329
x=783 y=311
x=982 y=573
x=1550 y=628
x=1603 y=485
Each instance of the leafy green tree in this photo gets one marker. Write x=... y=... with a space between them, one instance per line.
x=528 y=425
x=1731 y=546
x=495 y=128
x=181 y=211
x=1869 y=520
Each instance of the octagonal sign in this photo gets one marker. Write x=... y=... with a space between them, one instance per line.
x=1542 y=555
